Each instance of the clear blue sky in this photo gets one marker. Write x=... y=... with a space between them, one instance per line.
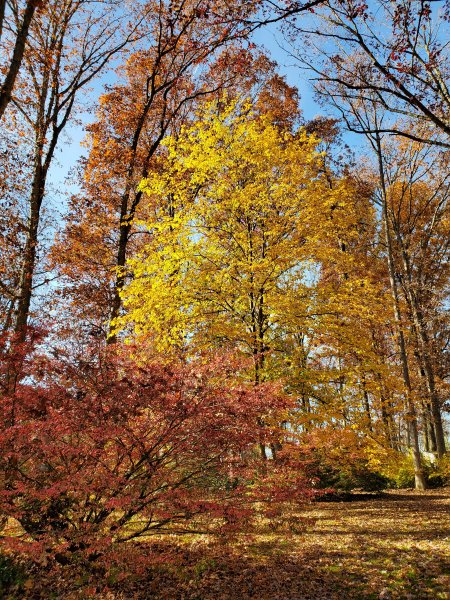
x=273 y=43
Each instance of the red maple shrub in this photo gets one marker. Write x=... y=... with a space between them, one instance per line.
x=109 y=450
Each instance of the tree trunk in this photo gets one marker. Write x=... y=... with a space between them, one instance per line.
x=426 y=438
x=2 y=15
x=29 y=258
x=120 y=276
x=366 y=404
x=18 y=52
x=419 y=476
x=413 y=435
x=431 y=385
x=388 y=425
x=428 y=425
x=425 y=354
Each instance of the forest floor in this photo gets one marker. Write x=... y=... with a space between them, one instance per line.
x=395 y=545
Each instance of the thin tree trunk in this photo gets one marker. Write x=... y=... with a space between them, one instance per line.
x=124 y=233
x=429 y=431
x=426 y=439
x=388 y=424
x=413 y=434
x=2 y=15
x=424 y=342
x=412 y=418
x=366 y=403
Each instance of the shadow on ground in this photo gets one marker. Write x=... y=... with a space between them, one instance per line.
x=390 y=547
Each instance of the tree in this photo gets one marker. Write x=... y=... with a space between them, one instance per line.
x=238 y=219
x=186 y=40
x=365 y=110
x=345 y=375
x=401 y=65
x=104 y=451
x=226 y=242
x=85 y=252
x=59 y=63
x=16 y=26
x=417 y=208
x=413 y=190
x=255 y=246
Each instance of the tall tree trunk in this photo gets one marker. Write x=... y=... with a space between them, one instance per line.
x=366 y=403
x=17 y=56
x=426 y=438
x=388 y=423
x=412 y=418
x=2 y=15
x=430 y=428
x=429 y=431
x=29 y=257
x=26 y=279
x=425 y=354
x=119 y=283
x=127 y=207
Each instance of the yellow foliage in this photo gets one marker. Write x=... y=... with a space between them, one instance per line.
x=242 y=218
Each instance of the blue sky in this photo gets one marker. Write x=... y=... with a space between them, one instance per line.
x=273 y=42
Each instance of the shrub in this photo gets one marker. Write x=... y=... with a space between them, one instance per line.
x=435 y=480
x=12 y=575
x=443 y=469
x=354 y=476
x=109 y=450
x=339 y=462
x=404 y=476
x=400 y=472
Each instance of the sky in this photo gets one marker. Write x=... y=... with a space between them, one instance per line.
x=274 y=44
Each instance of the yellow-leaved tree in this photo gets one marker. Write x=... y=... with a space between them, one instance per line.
x=227 y=235
x=240 y=217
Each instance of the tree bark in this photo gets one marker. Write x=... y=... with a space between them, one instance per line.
x=29 y=259
x=2 y=15
x=366 y=404
x=419 y=476
x=17 y=56
x=424 y=342
x=124 y=233
x=427 y=415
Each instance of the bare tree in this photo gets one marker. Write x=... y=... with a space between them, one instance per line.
x=394 y=53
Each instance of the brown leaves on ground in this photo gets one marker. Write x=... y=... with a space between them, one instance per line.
x=396 y=546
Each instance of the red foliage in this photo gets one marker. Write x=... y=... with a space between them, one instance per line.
x=109 y=450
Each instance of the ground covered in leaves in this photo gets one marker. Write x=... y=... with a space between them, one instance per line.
x=396 y=545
